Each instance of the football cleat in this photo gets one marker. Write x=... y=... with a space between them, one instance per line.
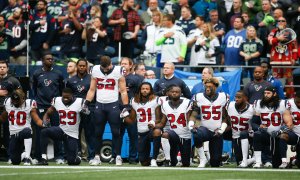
x=202 y=163
x=167 y=163
x=119 y=161
x=112 y=161
x=153 y=163
x=9 y=161
x=243 y=165
x=257 y=165
x=27 y=162
x=60 y=161
x=268 y=165
x=43 y=162
x=283 y=165
x=96 y=161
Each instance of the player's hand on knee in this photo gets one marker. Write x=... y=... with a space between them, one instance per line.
x=151 y=124
x=85 y=107
x=125 y=112
x=46 y=123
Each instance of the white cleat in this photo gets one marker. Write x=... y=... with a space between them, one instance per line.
x=283 y=165
x=60 y=161
x=257 y=165
x=153 y=163
x=119 y=161
x=95 y=162
x=268 y=165
x=203 y=163
x=27 y=162
x=243 y=165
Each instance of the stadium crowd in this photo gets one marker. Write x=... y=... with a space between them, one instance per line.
x=106 y=46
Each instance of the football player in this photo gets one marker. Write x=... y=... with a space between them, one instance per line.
x=273 y=113
x=214 y=121
x=68 y=108
x=240 y=113
x=177 y=111
x=19 y=111
x=107 y=82
x=293 y=137
x=146 y=111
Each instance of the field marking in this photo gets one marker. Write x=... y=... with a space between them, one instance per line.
x=61 y=172
x=149 y=168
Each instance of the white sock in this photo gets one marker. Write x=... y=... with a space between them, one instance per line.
x=166 y=147
x=201 y=153
x=44 y=156
x=245 y=148
x=27 y=144
x=257 y=155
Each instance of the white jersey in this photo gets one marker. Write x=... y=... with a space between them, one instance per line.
x=144 y=113
x=69 y=116
x=296 y=116
x=171 y=48
x=240 y=120
x=272 y=119
x=107 y=84
x=211 y=110
x=178 y=117
x=152 y=32
x=19 y=118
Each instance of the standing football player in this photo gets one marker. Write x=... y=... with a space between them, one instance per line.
x=177 y=111
x=240 y=113
x=107 y=81
x=273 y=112
x=19 y=111
x=213 y=122
x=68 y=108
x=146 y=111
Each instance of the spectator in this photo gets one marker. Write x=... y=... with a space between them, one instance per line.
x=42 y=26
x=283 y=53
x=218 y=26
x=176 y=8
x=96 y=38
x=173 y=41
x=169 y=79
x=8 y=84
x=271 y=79
x=18 y=41
x=124 y=20
x=254 y=89
x=236 y=11
x=47 y=83
x=55 y=8
x=186 y=21
x=232 y=42
x=207 y=47
x=150 y=74
x=8 y=10
x=251 y=50
x=207 y=73
x=95 y=11
x=71 y=69
x=5 y=36
x=140 y=69
x=246 y=19
x=147 y=16
x=252 y=7
x=71 y=31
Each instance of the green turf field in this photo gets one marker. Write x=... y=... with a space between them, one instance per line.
x=126 y=172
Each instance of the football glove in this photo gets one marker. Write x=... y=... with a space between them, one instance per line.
x=85 y=107
x=191 y=125
x=125 y=112
x=46 y=123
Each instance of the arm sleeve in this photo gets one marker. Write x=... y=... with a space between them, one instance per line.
x=183 y=49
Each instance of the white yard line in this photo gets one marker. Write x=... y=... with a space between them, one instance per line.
x=148 y=168
x=46 y=173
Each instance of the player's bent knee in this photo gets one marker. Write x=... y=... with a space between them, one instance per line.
x=284 y=136
x=156 y=132
x=165 y=135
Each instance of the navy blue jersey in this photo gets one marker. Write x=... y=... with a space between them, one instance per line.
x=55 y=9
x=46 y=85
x=19 y=34
x=72 y=41
x=8 y=10
x=79 y=86
x=95 y=46
x=231 y=44
x=219 y=26
x=161 y=85
x=41 y=34
x=250 y=47
x=186 y=25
